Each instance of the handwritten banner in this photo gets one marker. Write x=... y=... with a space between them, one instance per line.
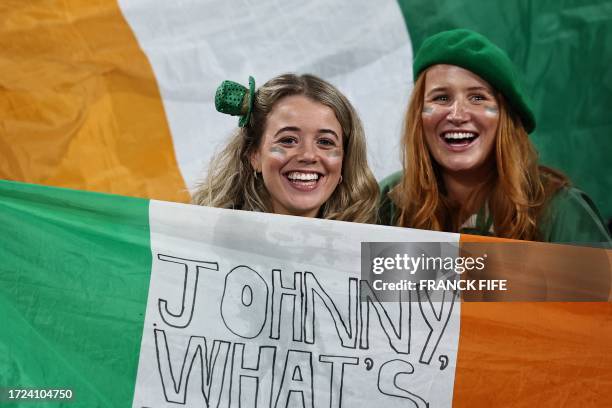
x=254 y=310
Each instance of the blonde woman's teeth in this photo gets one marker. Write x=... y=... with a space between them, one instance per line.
x=296 y=175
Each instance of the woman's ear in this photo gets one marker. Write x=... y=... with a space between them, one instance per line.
x=254 y=157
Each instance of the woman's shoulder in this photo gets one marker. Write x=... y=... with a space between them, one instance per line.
x=389 y=182
x=572 y=217
x=570 y=199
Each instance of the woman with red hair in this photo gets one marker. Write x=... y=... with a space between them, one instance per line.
x=469 y=165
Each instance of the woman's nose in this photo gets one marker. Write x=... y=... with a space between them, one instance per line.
x=458 y=112
x=307 y=152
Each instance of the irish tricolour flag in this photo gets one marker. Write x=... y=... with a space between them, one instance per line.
x=127 y=301
x=131 y=301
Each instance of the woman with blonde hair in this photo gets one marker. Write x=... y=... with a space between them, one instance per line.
x=299 y=150
x=469 y=165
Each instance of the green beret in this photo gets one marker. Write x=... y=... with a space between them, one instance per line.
x=472 y=51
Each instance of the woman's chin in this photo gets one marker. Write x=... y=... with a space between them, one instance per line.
x=468 y=166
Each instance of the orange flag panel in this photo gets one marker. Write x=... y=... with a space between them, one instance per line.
x=79 y=102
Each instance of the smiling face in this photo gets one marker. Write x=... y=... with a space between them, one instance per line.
x=300 y=155
x=460 y=117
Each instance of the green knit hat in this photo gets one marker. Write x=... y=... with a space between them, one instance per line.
x=472 y=51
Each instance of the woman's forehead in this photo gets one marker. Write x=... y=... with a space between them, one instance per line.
x=452 y=76
x=304 y=113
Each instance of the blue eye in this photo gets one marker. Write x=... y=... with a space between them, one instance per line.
x=287 y=140
x=326 y=142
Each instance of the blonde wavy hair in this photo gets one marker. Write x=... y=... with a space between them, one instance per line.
x=516 y=190
x=230 y=182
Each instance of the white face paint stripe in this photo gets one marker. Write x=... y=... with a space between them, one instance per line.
x=277 y=150
x=491 y=110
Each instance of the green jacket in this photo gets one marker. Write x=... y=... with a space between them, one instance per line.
x=570 y=217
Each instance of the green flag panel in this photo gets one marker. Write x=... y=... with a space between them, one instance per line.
x=74 y=276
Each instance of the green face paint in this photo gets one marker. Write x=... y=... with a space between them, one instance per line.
x=428 y=110
x=334 y=153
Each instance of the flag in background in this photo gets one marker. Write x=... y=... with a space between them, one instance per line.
x=99 y=294
x=118 y=97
